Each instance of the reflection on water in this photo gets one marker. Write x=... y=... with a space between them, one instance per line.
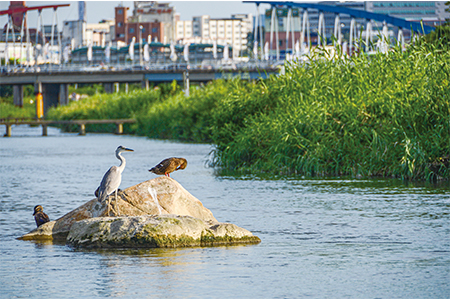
x=321 y=238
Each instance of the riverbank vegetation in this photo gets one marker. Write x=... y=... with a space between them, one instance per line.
x=7 y=108
x=385 y=115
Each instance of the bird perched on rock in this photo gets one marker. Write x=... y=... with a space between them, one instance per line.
x=40 y=216
x=169 y=165
x=112 y=179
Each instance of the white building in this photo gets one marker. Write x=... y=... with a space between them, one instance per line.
x=80 y=34
x=74 y=33
x=99 y=34
x=184 y=30
x=202 y=29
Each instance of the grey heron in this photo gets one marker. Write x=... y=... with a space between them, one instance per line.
x=112 y=178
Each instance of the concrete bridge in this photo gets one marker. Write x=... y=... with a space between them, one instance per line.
x=52 y=85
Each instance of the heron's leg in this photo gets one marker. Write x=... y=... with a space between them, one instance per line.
x=117 y=205
x=108 y=201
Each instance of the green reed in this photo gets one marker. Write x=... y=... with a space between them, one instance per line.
x=387 y=115
x=384 y=115
x=106 y=106
x=10 y=111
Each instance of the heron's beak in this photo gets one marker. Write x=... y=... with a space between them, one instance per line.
x=128 y=149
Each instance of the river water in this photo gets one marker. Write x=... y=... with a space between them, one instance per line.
x=321 y=238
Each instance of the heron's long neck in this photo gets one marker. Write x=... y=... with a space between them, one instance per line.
x=123 y=162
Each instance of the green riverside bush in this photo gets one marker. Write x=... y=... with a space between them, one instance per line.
x=382 y=115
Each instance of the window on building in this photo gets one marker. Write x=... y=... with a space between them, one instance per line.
x=131 y=30
x=119 y=24
x=120 y=11
x=155 y=30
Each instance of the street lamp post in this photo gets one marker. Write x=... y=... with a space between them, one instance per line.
x=140 y=44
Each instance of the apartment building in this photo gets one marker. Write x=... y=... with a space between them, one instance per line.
x=204 y=29
x=430 y=12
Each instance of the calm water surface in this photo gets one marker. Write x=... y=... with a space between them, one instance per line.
x=333 y=238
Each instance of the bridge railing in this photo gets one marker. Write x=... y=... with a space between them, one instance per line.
x=81 y=123
x=202 y=65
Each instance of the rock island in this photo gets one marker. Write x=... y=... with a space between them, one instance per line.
x=138 y=220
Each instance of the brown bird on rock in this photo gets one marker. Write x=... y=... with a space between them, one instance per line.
x=40 y=216
x=169 y=165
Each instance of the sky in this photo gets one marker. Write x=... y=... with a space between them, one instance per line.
x=99 y=10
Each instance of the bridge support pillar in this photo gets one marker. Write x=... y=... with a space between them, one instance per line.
x=18 y=95
x=64 y=94
x=8 y=130
x=186 y=83
x=126 y=87
x=82 y=129
x=50 y=93
x=117 y=86
x=44 y=130
x=53 y=94
x=109 y=87
x=119 y=128
x=145 y=84
x=39 y=100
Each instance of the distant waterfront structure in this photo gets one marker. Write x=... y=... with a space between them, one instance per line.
x=74 y=33
x=82 y=11
x=150 y=19
x=231 y=31
x=24 y=45
x=153 y=22
x=430 y=12
x=78 y=33
x=158 y=53
x=155 y=12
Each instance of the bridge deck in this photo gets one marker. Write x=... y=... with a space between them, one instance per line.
x=21 y=77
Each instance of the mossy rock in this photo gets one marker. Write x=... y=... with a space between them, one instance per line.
x=163 y=231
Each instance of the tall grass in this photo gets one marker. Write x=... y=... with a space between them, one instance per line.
x=106 y=106
x=7 y=108
x=385 y=115
x=10 y=111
